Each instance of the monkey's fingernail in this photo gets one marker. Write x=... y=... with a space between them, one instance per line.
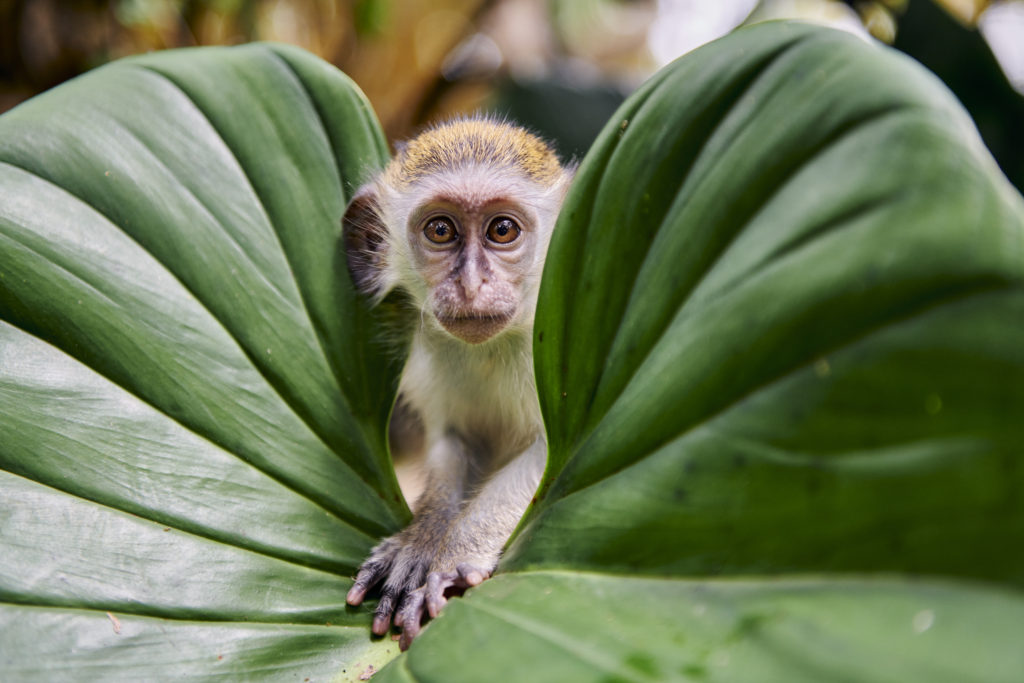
x=408 y=634
x=355 y=595
x=474 y=578
x=435 y=602
x=381 y=625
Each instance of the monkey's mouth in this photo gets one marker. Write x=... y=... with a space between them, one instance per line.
x=475 y=328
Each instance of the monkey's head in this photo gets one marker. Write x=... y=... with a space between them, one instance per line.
x=460 y=219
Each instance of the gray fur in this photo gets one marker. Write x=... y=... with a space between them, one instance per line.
x=473 y=390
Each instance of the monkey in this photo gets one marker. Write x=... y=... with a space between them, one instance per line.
x=459 y=223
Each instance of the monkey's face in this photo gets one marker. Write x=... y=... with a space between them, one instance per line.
x=460 y=221
x=474 y=258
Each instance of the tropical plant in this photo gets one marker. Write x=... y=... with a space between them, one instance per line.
x=779 y=352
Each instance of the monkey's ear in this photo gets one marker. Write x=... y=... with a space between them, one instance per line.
x=365 y=239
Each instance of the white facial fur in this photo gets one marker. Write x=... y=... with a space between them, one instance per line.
x=493 y=279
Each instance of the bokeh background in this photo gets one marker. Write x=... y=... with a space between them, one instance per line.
x=559 y=66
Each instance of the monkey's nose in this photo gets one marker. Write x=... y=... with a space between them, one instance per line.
x=470 y=281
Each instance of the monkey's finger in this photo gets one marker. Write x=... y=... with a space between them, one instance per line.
x=410 y=615
x=355 y=595
x=369 y=574
x=411 y=630
x=376 y=567
x=381 y=624
x=403 y=610
x=471 y=575
x=434 y=590
x=385 y=608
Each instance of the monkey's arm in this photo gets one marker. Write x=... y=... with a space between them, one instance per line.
x=471 y=547
x=483 y=526
x=402 y=560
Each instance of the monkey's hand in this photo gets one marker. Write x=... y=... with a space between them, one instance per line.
x=466 y=558
x=472 y=545
x=432 y=596
x=403 y=559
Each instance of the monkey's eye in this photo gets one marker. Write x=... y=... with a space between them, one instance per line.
x=503 y=230
x=440 y=231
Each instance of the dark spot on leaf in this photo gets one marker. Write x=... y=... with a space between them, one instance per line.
x=642 y=662
x=749 y=624
x=695 y=670
x=540 y=336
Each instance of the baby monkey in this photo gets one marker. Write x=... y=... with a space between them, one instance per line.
x=460 y=220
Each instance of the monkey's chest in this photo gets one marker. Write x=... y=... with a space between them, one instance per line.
x=491 y=406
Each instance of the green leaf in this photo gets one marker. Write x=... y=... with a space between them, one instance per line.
x=779 y=328
x=575 y=626
x=192 y=398
x=53 y=645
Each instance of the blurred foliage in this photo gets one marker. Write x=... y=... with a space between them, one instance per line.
x=393 y=50
x=560 y=66
x=962 y=59
x=543 y=104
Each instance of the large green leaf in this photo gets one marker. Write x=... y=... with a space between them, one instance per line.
x=780 y=327
x=576 y=626
x=192 y=403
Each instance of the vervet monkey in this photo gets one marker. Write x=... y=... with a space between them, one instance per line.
x=460 y=221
